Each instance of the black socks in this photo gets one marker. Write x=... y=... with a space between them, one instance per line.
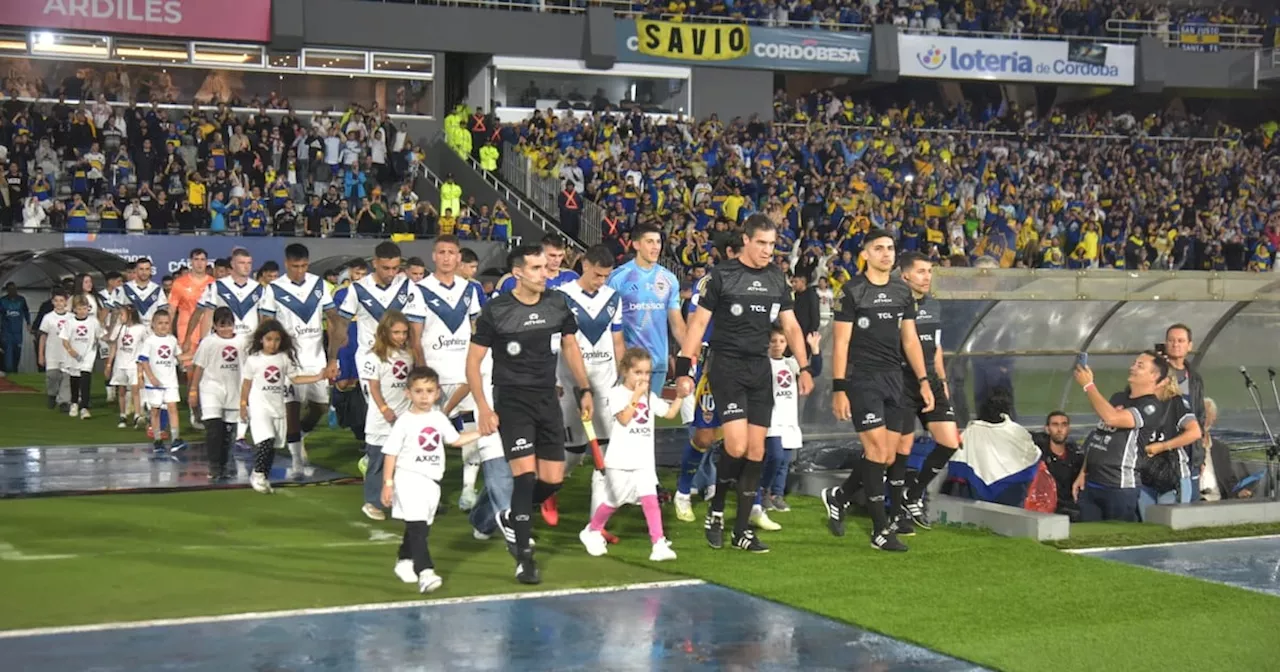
x=263 y=455
x=748 y=484
x=415 y=536
x=728 y=469
x=542 y=491
x=898 y=480
x=522 y=490
x=933 y=465
x=873 y=481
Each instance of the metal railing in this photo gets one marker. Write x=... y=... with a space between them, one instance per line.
x=516 y=199
x=1230 y=35
x=786 y=126
x=517 y=170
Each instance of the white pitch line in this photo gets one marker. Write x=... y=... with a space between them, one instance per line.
x=322 y=611
x=1107 y=549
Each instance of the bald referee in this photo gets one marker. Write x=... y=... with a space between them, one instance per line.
x=745 y=296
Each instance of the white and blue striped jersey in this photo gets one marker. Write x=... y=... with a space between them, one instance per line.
x=242 y=299
x=366 y=302
x=599 y=316
x=145 y=300
x=445 y=313
x=300 y=309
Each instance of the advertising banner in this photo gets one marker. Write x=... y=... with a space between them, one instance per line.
x=1047 y=61
x=735 y=45
x=1203 y=37
x=223 y=20
x=169 y=253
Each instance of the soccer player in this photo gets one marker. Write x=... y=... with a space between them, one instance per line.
x=415 y=268
x=374 y=294
x=300 y=304
x=521 y=327
x=745 y=296
x=187 y=291
x=441 y=320
x=699 y=410
x=468 y=267
x=908 y=499
x=650 y=301
x=884 y=312
x=553 y=249
x=598 y=311
x=145 y=296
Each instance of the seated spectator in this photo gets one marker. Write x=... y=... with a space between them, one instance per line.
x=998 y=459
x=1224 y=477
x=1062 y=457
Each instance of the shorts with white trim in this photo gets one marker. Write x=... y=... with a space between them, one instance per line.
x=877 y=399
x=744 y=388
x=942 y=409
x=415 y=497
x=219 y=403
x=159 y=397
x=602 y=380
x=310 y=393
x=530 y=422
x=266 y=427
x=124 y=375
x=615 y=487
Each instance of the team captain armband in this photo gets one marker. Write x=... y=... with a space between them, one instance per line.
x=683 y=366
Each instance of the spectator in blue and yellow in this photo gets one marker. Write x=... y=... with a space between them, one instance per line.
x=77 y=215
x=254 y=221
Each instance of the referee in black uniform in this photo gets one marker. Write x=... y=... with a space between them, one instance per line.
x=908 y=498
x=867 y=380
x=745 y=296
x=521 y=327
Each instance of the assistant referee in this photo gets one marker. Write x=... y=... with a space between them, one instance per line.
x=745 y=296
x=522 y=328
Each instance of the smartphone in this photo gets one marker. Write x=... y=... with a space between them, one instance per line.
x=1082 y=359
x=1159 y=348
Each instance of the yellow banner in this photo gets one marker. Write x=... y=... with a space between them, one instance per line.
x=693 y=41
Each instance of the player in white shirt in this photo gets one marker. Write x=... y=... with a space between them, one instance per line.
x=268 y=370
x=214 y=388
x=239 y=293
x=413 y=464
x=80 y=338
x=384 y=375
x=122 y=365
x=51 y=352
x=374 y=294
x=299 y=302
x=630 y=474
x=442 y=316
x=146 y=297
x=158 y=370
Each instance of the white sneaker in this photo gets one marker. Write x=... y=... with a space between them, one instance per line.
x=662 y=551
x=84 y=414
x=684 y=507
x=195 y=422
x=139 y=422
x=593 y=541
x=467 y=500
x=480 y=536
x=428 y=581
x=75 y=411
x=709 y=493
x=761 y=520
x=123 y=424
x=258 y=481
x=404 y=571
x=372 y=512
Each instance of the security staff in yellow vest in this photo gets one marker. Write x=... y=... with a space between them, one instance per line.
x=489 y=157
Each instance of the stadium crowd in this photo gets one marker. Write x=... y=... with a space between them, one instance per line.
x=1063 y=190
x=143 y=168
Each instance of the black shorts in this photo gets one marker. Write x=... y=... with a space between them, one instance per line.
x=743 y=388
x=942 y=409
x=530 y=423
x=877 y=399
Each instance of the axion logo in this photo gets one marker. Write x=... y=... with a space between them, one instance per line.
x=81 y=331
x=784 y=378
x=642 y=413
x=271 y=374
x=230 y=354
x=126 y=341
x=164 y=352
x=399 y=370
x=429 y=439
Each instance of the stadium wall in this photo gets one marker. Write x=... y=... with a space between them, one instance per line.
x=731 y=92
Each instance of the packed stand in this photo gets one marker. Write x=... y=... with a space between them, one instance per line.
x=144 y=169
x=1031 y=197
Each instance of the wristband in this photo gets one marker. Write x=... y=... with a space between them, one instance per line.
x=580 y=392
x=922 y=379
x=389 y=484
x=942 y=380
x=1089 y=385
x=383 y=408
x=806 y=369
x=840 y=385
x=683 y=366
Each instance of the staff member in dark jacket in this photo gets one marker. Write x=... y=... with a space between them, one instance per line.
x=1062 y=457
x=809 y=317
x=1177 y=345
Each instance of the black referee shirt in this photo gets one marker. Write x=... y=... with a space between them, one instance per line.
x=521 y=338
x=928 y=329
x=877 y=312
x=744 y=302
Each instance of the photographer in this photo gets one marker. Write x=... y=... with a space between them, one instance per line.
x=1177 y=345
x=1108 y=485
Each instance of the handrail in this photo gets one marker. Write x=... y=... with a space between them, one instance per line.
x=208 y=107
x=1230 y=35
x=511 y=197
x=1005 y=134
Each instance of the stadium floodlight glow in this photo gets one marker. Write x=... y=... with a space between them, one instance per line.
x=44 y=39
